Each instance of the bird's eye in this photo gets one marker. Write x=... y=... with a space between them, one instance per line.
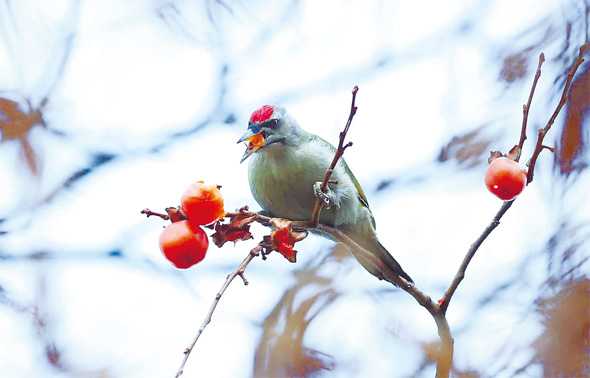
x=272 y=123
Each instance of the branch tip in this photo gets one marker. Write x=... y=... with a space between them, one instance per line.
x=239 y=271
x=243 y=277
x=564 y=95
x=526 y=108
x=149 y=213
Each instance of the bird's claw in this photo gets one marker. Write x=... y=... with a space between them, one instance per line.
x=325 y=197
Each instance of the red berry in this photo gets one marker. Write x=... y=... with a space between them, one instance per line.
x=505 y=178
x=184 y=243
x=202 y=203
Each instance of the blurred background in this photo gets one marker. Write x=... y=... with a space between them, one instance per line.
x=110 y=107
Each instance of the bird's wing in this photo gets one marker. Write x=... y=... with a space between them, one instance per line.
x=361 y=193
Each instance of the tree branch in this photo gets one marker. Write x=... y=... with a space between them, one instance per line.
x=438 y=314
x=315 y=217
x=239 y=271
x=527 y=107
x=542 y=132
x=446 y=299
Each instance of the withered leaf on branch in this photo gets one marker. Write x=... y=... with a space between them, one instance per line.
x=175 y=214
x=514 y=153
x=237 y=229
x=494 y=155
x=282 y=238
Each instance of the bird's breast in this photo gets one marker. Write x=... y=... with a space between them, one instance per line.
x=282 y=183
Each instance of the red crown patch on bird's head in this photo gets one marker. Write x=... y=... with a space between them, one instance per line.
x=262 y=114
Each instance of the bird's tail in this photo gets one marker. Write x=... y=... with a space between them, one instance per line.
x=392 y=264
x=374 y=257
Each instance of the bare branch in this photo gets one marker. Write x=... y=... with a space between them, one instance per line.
x=446 y=351
x=526 y=108
x=239 y=271
x=542 y=132
x=315 y=218
x=446 y=299
x=149 y=213
x=438 y=314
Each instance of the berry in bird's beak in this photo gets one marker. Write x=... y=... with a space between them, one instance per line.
x=255 y=142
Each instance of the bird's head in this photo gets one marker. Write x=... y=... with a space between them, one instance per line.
x=270 y=125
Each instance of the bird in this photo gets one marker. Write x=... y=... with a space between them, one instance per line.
x=284 y=172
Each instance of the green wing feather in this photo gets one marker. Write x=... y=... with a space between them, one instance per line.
x=362 y=196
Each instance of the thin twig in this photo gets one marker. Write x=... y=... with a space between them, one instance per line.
x=149 y=213
x=526 y=108
x=562 y=101
x=239 y=271
x=315 y=218
x=446 y=299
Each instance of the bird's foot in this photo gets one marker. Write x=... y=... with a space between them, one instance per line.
x=325 y=197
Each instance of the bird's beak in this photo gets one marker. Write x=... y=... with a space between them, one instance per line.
x=249 y=151
x=254 y=137
x=253 y=129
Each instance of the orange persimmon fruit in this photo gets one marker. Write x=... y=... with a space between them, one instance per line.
x=202 y=203
x=184 y=243
x=505 y=178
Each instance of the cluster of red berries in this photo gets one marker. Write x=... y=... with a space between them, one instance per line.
x=184 y=242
